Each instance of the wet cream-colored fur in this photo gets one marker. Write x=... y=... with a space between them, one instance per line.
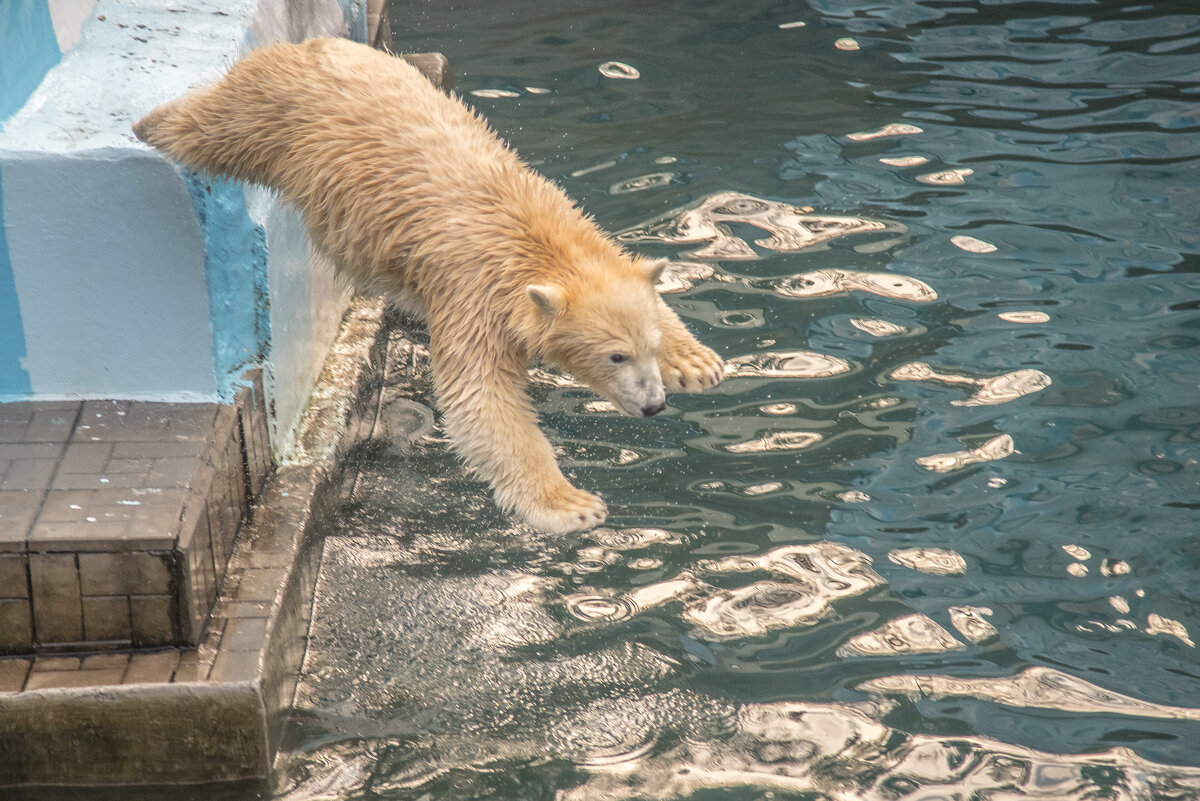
x=414 y=197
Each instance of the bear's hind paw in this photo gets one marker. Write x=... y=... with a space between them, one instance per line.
x=571 y=510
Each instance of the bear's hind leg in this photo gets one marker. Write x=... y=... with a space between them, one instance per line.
x=685 y=364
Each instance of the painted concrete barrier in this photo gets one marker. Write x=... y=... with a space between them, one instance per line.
x=121 y=276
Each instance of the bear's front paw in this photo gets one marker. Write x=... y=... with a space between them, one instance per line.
x=691 y=368
x=569 y=509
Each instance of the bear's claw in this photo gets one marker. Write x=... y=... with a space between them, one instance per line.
x=568 y=510
x=691 y=369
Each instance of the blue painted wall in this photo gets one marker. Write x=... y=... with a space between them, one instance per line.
x=236 y=266
x=14 y=378
x=28 y=49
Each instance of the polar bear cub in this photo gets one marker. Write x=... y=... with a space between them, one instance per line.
x=412 y=196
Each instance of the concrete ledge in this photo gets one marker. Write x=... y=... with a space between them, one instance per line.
x=209 y=714
x=120 y=275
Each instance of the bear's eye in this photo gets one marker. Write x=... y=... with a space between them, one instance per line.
x=618 y=358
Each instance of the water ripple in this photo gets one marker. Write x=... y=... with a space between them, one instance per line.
x=680 y=276
x=642 y=183
x=683 y=651
x=785 y=364
x=1024 y=317
x=988 y=391
x=994 y=449
x=877 y=328
x=946 y=177
x=841 y=752
x=778 y=441
x=935 y=561
x=903 y=161
x=1040 y=687
x=791 y=228
x=912 y=634
x=630 y=539
x=970 y=622
x=619 y=70
x=891 y=129
x=598 y=607
x=823 y=283
x=971 y=244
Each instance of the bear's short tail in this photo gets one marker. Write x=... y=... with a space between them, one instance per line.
x=149 y=127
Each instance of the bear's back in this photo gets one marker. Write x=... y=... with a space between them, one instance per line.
x=403 y=186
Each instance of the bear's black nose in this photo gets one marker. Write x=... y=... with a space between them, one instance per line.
x=650 y=411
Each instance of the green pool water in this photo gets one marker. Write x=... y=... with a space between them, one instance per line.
x=936 y=535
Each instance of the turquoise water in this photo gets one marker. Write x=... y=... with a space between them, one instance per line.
x=935 y=536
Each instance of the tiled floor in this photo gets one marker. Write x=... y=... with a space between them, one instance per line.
x=90 y=671
x=117 y=517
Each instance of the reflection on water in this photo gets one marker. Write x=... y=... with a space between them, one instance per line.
x=788 y=364
x=642 y=183
x=971 y=244
x=779 y=441
x=709 y=221
x=911 y=634
x=904 y=161
x=439 y=661
x=990 y=451
x=936 y=561
x=680 y=276
x=891 y=129
x=582 y=171
x=833 y=282
x=1028 y=317
x=629 y=539
x=971 y=623
x=806 y=579
x=945 y=177
x=1157 y=624
x=1039 y=687
x=494 y=94
x=800 y=592
x=987 y=391
x=877 y=328
x=839 y=751
x=619 y=70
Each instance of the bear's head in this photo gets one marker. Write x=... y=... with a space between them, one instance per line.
x=603 y=328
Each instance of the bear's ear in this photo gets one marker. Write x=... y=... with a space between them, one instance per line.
x=547 y=298
x=653 y=268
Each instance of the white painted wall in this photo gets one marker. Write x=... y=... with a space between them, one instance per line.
x=102 y=256
x=100 y=320
x=68 y=17
x=306 y=310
